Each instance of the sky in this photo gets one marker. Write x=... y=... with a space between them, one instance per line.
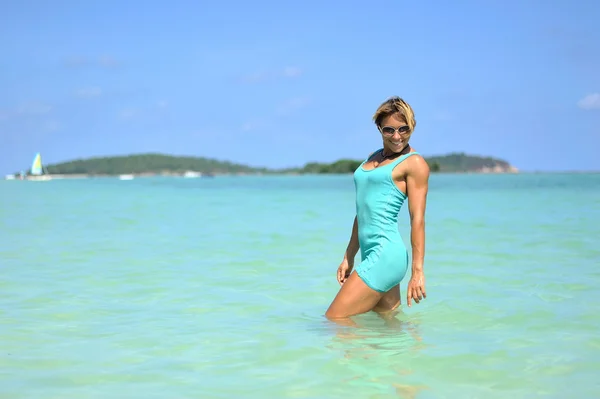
x=279 y=84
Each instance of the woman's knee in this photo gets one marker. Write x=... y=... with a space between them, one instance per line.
x=332 y=315
x=336 y=310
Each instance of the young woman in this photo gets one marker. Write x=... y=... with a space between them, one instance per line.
x=383 y=182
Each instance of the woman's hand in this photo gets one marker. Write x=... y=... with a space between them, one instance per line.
x=416 y=288
x=344 y=271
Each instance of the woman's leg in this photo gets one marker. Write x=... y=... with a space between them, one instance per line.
x=355 y=297
x=389 y=301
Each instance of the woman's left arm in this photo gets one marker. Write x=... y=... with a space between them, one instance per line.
x=417 y=186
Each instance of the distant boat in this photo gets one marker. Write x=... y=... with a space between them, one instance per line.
x=125 y=177
x=9 y=177
x=191 y=174
x=37 y=171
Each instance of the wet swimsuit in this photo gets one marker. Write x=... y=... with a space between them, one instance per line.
x=384 y=258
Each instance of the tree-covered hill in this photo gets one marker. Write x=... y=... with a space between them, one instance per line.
x=147 y=164
x=167 y=164
x=461 y=162
x=450 y=163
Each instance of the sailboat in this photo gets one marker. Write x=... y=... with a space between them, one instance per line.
x=37 y=171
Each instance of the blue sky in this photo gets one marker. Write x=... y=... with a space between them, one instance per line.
x=284 y=83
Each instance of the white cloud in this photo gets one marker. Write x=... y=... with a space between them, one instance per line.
x=589 y=102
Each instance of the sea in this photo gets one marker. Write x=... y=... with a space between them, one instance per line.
x=166 y=287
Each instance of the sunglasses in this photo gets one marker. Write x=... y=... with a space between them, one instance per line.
x=389 y=131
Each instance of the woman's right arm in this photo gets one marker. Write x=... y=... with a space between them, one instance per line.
x=353 y=245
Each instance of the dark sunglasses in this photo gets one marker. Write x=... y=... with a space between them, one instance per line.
x=389 y=131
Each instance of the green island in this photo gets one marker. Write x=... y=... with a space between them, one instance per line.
x=161 y=164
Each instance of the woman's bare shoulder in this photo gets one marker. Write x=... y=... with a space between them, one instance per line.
x=417 y=164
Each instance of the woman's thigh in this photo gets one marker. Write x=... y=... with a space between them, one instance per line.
x=355 y=297
x=389 y=301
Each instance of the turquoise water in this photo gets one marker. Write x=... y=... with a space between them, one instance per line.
x=215 y=288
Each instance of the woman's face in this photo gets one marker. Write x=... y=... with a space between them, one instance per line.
x=395 y=133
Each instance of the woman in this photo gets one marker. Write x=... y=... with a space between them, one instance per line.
x=383 y=182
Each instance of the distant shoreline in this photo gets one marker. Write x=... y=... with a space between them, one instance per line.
x=133 y=176
x=127 y=167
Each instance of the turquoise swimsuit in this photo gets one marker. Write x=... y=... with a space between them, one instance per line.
x=384 y=258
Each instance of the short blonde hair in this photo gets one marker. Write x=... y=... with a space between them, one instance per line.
x=395 y=105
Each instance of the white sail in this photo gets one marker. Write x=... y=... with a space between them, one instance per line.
x=37 y=169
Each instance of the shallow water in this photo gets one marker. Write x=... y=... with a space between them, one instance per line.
x=215 y=288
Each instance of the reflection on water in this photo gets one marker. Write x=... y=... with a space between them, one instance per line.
x=373 y=339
